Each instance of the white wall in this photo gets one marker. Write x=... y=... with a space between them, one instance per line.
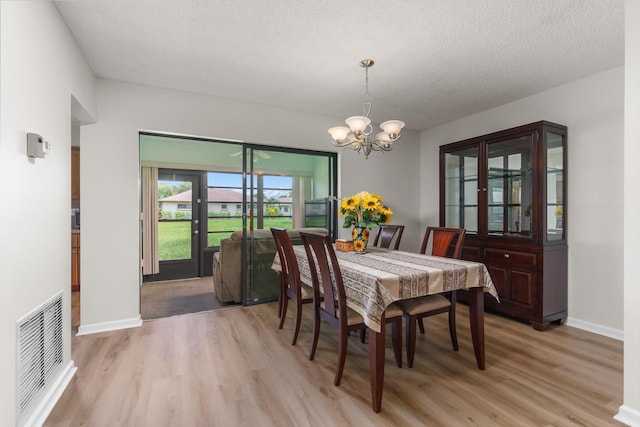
x=41 y=68
x=109 y=160
x=629 y=412
x=592 y=109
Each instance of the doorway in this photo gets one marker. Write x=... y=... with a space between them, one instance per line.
x=179 y=224
x=213 y=191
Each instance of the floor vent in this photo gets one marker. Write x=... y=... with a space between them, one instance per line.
x=39 y=352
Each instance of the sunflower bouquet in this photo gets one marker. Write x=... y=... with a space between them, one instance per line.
x=364 y=210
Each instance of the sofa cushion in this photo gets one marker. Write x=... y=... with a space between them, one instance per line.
x=227 y=264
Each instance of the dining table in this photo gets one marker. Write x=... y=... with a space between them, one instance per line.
x=375 y=279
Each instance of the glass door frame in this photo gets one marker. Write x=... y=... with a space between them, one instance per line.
x=176 y=269
x=248 y=214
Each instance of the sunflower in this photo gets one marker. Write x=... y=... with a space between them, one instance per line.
x=358 y=245
x=377 y=196
x=350 y=204
x=386 y=212
x=371 y=203
x=365 y=234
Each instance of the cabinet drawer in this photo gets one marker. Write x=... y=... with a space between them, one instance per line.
x=472 y=253
x=507 y=255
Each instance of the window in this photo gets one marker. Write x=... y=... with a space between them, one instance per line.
x=276 y=200
x=184 y=206
x=272 y=207
x=224 y=190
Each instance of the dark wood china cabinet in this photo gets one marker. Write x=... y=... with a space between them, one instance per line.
x=508 y=190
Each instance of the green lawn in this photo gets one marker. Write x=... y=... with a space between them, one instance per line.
x=174 y=238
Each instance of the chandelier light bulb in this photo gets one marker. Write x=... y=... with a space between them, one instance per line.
x=383 y=138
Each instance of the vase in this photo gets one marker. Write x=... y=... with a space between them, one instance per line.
x=360 y=237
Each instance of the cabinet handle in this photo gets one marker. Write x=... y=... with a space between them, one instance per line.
x=506 y=255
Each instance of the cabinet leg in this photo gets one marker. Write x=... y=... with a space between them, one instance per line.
x=538 y=326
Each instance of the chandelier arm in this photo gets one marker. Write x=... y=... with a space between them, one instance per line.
x=345 y=144
x=389 y=141
x=366 y=108
x=381 y=147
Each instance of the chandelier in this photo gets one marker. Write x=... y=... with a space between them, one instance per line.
x=358 y=134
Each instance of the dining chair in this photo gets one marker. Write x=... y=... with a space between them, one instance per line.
x=386 y=235
x=291 y=287
x=443 y=242
x=326 y=276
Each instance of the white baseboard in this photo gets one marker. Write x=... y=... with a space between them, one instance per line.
x=596 y=328
x=95 y=328
x=50 y=398
x=628 y=416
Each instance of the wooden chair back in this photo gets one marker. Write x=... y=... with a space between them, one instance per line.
x=386 y=234
x=325 y=273
x=443 y=241
x=290 y=269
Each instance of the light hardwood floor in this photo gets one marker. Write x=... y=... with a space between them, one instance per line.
x=235 y=368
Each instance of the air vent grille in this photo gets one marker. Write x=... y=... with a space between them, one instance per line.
x=39 y=351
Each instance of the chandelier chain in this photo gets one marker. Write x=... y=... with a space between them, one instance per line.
x=366 y=83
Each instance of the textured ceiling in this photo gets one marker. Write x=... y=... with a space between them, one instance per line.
x=436 y=60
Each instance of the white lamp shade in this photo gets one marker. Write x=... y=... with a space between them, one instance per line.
x=383 y=138
x=339 y=133
x=358 y=123
x=392 y=127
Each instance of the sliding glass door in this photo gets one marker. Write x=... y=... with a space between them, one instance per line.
x=286 y=189
x=232 y=190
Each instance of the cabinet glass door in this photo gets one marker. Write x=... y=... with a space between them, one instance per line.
x=509 y=187
x=555 y=186
x=461 y=189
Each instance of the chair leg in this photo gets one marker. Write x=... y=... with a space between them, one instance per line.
x=296 y=327
x=421 y=326
x=452 y=327
x=396 y=339
x=316 y=332
x=342 y=356
x=411 y=339
x=283 y=314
